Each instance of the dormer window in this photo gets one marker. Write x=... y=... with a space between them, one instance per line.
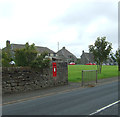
x=49 y=54
x=54 y=54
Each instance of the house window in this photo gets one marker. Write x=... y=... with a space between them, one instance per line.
x=70 y=56
x=54 y=54
x=49 y=54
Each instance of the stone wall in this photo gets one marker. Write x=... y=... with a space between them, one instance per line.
x=22 y=79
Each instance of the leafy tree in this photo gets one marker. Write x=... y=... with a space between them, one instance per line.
x=20 y=58
x=101 y=49
x=8 y=51
x=24 y=56
x=5 y=59
x=41 y=62
x=78 y=61
x=117 y=55
x=6 y=56
x=113 y=56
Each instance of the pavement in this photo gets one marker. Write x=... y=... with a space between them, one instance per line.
x=22 y=96
x=96 y=100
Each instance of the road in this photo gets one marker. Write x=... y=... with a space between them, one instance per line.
x=77 y=102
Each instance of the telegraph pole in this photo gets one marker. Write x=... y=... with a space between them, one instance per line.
x=58 y=46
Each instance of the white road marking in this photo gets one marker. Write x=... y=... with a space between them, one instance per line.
x=99 y=110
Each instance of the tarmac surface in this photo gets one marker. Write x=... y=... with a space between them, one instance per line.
x=15 y=97
x=92 y=99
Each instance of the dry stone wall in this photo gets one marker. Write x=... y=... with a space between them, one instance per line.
x=22 y=79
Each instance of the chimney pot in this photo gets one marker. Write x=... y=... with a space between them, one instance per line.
x=7 y=43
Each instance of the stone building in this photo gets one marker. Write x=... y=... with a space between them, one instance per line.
x=40 y=49
x=66 y=56
x=87 y=58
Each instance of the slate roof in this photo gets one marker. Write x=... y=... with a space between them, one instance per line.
x=38 y=48
x=43 y=49
x=64 y=53
x=87 y=58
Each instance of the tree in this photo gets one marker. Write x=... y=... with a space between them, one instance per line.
x=117 y=55
x=78 y=61
x=113 y=57
x=25 y=56
x=8 y=50
x=20 y=58
x=5 y=59
x=6 y=56
x=41 y=62
x=101 y=50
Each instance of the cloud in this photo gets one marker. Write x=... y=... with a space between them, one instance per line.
x=92 y=19
x=85 y=12
x=74 y=23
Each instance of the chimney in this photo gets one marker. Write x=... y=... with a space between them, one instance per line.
x=63 y=47
x=83 y=51
x=7 y=43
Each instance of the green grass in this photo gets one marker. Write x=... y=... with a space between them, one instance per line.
x=75 y=71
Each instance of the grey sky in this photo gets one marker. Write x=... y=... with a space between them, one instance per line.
x=75 y=24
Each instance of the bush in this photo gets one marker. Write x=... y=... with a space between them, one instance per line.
x=24 y=56
x=41 y=62
x=5 y=59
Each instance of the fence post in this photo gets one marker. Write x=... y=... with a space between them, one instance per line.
x=96 y=76
x=82 y=77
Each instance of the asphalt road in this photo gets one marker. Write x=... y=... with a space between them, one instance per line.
x=77 y=102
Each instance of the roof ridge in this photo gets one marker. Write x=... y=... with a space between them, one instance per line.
x=70 y=52
x=16 y=44
x=62 y=50
x=37 y=47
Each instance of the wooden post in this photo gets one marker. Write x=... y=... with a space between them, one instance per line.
x=82 y=77
x=96 y=76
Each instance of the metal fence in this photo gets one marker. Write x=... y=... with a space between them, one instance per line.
x=89 y=76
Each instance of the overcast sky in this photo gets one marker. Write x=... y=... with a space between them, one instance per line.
x=75 y=24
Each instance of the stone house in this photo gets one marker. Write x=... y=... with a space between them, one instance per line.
x=66 y=56
x=40 y=49
x=110 y=61
x=87 y=58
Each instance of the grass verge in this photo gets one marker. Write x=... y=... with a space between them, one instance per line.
x=75 y=72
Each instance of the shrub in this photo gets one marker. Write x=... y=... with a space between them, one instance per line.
x=41 y=62
x=24 y=56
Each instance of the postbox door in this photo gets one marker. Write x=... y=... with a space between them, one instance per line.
x=54 y=70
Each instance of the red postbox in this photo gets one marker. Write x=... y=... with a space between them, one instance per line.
x=54 y=69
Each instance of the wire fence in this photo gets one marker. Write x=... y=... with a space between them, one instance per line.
x=89 y=76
